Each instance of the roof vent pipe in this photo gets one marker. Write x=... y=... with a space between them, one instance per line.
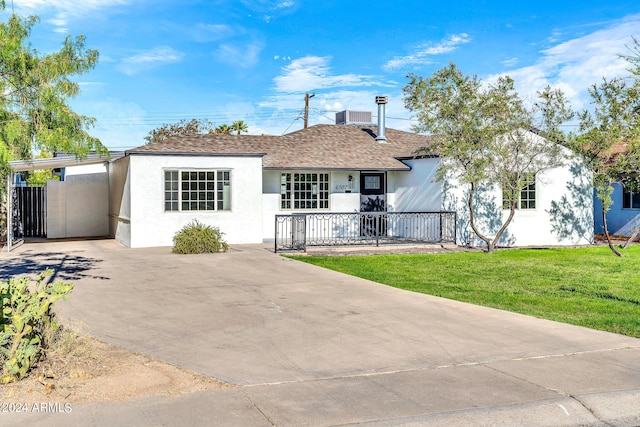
x=381 y=100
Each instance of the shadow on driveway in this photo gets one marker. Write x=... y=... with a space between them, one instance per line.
x=65 y=266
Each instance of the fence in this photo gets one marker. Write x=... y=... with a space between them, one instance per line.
x=297 y=231
x=30 y=217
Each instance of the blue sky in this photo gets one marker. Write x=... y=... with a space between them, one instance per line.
x=253 y=60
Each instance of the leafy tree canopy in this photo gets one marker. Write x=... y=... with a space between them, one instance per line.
x=608 y=136
x=34 y=94
x=194 y=127
x=39 y=177
x=482 y=133
x=182 y=128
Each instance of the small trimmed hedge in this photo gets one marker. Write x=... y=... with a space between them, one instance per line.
x=198 y=238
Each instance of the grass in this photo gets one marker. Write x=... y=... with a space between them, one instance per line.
x=583 y=286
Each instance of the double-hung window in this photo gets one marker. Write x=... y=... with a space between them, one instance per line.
x=304 y=190
x=197 y=190
x=526 y=197
x=630 y=200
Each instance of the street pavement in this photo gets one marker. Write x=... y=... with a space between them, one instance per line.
x=308 y=346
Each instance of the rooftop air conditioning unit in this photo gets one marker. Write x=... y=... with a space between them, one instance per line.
x=348 y=117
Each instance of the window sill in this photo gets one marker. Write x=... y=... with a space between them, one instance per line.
x=197 y=212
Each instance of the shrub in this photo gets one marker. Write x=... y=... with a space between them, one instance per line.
x=197 y=238
x=26 y=319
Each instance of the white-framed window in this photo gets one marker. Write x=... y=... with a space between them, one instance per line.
x=372 y=182
x=526 y=198
x=308 y=190
x=197 y=190
x=630 y=200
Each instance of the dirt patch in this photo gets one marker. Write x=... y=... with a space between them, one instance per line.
x=98 y=372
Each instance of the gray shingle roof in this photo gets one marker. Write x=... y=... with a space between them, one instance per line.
x=318 y=147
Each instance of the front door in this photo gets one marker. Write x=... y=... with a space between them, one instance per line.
x=373 y=188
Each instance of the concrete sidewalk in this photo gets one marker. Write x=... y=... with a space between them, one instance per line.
x=314 y=347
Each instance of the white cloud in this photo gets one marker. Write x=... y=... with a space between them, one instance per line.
x=333 y=92
x=211 y=32
x=270 y=9
x=323 y=107
x=314 y=72
x=510 y=62
x=576 y=64
x=64 y=10
x=423 y=53
x=269 y=5
x=241 y=56
x=143 y=61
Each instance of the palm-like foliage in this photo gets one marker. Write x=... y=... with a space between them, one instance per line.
x=223 y=129
x=239 y=126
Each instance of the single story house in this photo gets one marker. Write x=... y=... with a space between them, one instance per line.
x=239 y=183
x=623 y=217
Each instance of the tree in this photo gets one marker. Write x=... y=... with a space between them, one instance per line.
x=34 y=90
x=223 y=129
x=239 y=126
x=39 y=177
x=483 y=136
x=182 y=128
x=613 y=119
x=193 y=127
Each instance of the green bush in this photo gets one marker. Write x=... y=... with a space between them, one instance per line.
x=197 y=238
x=26 y=319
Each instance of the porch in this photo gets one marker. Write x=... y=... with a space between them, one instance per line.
x=296 y=232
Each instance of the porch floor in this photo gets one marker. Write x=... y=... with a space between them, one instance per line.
x=382 y=249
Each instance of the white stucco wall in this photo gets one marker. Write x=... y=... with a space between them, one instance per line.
x=85 y=169
x=407 y=191
x=152 y=226
x=79 y=205
x=344 y=196
x=120 y=201
x=563 y=214
x=56 y=210
x=415 y=190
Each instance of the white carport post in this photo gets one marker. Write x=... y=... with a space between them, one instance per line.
x=10 y=178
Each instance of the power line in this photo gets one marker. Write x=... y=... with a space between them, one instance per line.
x=289 y=127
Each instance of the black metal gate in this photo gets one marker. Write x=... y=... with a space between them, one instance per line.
x=30 y=212
x=296 y=232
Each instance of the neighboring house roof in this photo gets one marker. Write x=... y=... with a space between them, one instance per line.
x=619 y=147
x=318 y=147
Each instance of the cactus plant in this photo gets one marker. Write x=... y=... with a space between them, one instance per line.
x=25 y=315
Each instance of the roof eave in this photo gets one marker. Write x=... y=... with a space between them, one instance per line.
x=325 y=168
x=421 y=156
x=192 y=154
x=61 y=162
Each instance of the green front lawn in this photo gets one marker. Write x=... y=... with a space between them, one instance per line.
x=586 y=286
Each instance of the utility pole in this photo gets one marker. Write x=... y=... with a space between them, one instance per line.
x=307 y=97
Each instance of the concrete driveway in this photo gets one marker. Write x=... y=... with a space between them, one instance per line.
x=315 y=347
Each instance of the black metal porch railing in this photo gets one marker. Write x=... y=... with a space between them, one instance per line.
x=297 y=231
